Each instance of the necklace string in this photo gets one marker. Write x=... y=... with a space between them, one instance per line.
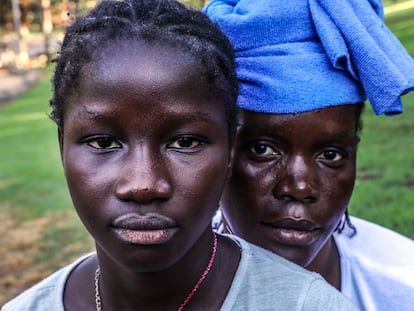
x=203 y=276
x=97 y=294
x=98 y=300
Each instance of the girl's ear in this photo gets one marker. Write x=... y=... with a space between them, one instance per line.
x=60 y=137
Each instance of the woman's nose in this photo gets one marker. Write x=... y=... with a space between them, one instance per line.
x=297 y=180
x=143 y=178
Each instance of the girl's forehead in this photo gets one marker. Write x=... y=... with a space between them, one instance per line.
x=154 y=67
x=157 y=54
x=147 y=66
x=143 y=77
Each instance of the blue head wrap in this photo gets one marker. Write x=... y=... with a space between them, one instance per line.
x=300 y=55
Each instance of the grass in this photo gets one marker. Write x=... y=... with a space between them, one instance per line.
x=40 y=231
x=384 y=191
x=402 y=25
x=31 y=176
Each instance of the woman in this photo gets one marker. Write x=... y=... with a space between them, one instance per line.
x=305 y=68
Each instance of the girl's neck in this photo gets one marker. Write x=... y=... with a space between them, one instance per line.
x=169 y=288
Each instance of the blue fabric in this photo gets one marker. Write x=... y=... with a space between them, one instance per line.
x=296 y=56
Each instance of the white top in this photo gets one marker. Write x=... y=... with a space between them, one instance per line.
x=263 y=281
x=377 y=266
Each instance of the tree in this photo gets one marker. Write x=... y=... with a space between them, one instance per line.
x=47 y=26
x=21 y=29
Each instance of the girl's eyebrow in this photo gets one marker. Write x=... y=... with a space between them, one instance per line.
x=97 y=113
x=197 y=117
x=89 y=113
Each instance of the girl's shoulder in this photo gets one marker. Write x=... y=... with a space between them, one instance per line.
x=45 y=295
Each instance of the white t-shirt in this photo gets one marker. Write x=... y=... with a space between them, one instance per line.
x=263 y=281
x=377 y=266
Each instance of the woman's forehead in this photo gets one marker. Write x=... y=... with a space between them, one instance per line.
x=335 y=120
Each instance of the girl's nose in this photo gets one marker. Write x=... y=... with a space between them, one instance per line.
x=296 y=181
x=144 y=178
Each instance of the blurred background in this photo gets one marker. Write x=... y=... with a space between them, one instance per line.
x=40 y=231
x=29 y=28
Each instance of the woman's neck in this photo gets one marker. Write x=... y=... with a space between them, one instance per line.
x=327 y=264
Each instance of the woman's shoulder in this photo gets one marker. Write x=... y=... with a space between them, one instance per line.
x=45 y=295
x=375 y=241
x=377 y=266
x=264 y=277
x=257 y=260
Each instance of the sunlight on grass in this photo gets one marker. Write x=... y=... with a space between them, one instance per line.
x=399 y=8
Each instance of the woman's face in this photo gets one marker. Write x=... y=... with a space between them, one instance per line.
x=145 y=151
x=292 y=180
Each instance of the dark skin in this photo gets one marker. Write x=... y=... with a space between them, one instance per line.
x=146 y=153
x=292 y=180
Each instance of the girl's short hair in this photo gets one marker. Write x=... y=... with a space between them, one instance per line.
x=162 y=22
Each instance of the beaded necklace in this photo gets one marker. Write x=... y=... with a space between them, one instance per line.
x=98 y=300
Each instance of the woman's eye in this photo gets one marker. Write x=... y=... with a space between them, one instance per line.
x=331 y=155
x=262 y=150
x=186 y=142
x=103 y=143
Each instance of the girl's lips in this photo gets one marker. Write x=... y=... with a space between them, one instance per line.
x=145 y=237
x=147 y=229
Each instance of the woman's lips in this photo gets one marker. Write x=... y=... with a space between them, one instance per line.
x=148 y=229
x=293 y=232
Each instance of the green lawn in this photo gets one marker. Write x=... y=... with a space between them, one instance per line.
x=40 y=230
x=384 y=191
x=31 y=177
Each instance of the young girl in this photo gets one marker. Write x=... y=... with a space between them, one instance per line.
x=144 y=97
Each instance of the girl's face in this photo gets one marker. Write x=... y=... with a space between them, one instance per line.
x=292 y=180
x=145 y=151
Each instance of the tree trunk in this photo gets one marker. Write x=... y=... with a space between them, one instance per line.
x=22 y=32
x=47 y=26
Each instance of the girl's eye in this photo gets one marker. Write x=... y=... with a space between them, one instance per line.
x=104 y=142
x=262 y=150
x=187 y=142
x=331 y=155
